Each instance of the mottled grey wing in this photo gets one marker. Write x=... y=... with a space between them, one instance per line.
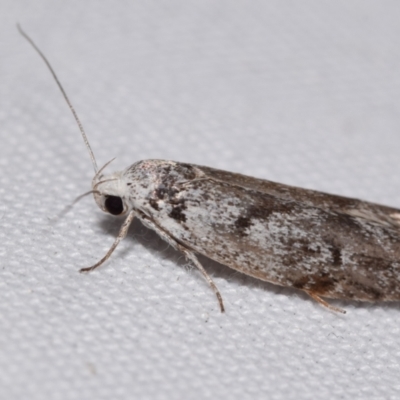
x=387 y=216
x=281 y=235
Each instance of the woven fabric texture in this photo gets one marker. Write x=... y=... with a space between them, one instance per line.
x=305 y=93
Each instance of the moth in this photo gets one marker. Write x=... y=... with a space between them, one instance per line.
x=326 y=245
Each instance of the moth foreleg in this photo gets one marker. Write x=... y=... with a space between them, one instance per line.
x=189 y=254
x=121 y=235
x=324 y=303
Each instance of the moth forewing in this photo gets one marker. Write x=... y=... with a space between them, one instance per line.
x=323 y=245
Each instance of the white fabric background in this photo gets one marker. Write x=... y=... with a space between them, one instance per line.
x=306 y=93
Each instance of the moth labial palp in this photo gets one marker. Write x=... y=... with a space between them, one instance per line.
x=326 y=245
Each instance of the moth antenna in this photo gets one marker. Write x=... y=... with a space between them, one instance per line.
x=69 y=207
x=85 y=139
x=101 y=182
x=102 y=168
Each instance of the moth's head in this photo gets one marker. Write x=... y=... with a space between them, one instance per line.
x=109 y=192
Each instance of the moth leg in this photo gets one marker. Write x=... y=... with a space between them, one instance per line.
x=192 y=257
x=324 y=303
x=188 y=254
x=121 y=235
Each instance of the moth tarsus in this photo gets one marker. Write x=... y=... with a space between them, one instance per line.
x=328 y=246
x=325 y=304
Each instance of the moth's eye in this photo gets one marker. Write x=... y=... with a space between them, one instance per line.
x=113 y=205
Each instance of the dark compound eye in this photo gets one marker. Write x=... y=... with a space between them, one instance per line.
x=113 y=205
